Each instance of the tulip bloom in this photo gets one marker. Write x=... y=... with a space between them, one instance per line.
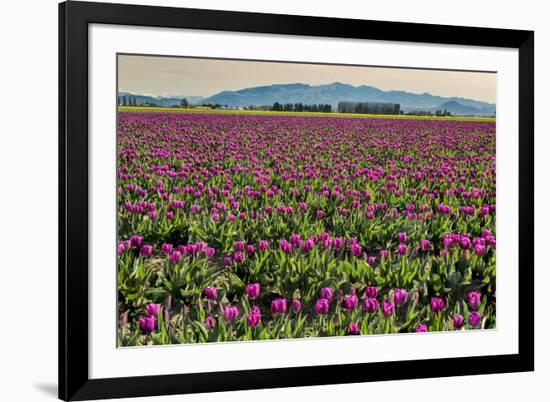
x=211 y=293
x=327 y=293
x=238 y=257
x=285 y=246
x=437 y=304
x=146 y=250
x=350 y=302
x=399 y=296
x=135 y=241
x=402 y=237
x=166 y=248
x=321 y=306
x=278 y=306
x=147 y=324
x=457 y=321
x=402 y=249
x=353 y=328
x=263 y=245
x=175 y=257
x=296 y=305
x=252 y=290
x=421 y=328
x=474 y=319
x=356 y=250
x=239 y=245
x=254 y=317
x=479 y=249
x=230 y=313
x=424 y=245
x=209 y=322
x=152 y=309
x=474 y=299
x=337 y=243
x=371 y=292
x=387 y=308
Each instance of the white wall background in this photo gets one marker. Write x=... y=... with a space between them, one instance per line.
x=28 y=198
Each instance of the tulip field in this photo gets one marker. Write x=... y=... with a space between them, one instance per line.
x=238 y=227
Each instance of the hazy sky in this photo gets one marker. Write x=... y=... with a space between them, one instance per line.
x=157 y=76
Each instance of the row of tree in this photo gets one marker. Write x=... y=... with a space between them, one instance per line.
x=369 y=107
x=127 y=101
x=301 y=107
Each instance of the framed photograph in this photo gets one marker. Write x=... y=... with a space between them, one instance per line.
x=257 y=201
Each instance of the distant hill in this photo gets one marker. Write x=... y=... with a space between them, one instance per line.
x=332 y=94
x=166 y=101
x=335 y=92
x=457 y=108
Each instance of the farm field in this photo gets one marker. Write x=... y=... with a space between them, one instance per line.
x=312 y=114
x=253 y=226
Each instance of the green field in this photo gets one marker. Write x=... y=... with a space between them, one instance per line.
x=267 y=112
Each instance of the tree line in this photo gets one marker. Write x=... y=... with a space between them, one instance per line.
x=369 y=107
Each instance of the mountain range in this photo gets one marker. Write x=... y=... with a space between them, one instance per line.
x=331 y=94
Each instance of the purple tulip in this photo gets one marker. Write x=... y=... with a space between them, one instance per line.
x=399 y=296
x=239 y=245
x=421 y=328
x=135 y=241
x=465 y=243
x=295 y=240
x=479 y=249
x=146 y=250
x=211 y=293
x=402 y=237
x=337 y=243
x=356 y=250
x=152 y=309
x=350 y=302
x=252 y=290
x=371 y=292
x=402 y=249
x=209 y=252
x=353 y=328
x=321 y=306
x=437 y=304
x=175 y=257
x=285 y=246
x=263 y=245
x=147 y=324
x=387 y=308
x=121 y=248
x=474 y=299
x=327 y=293
x=227 y=261
x=296 y=305
x=250 y=249
x=474 y=318
x=319 y=214
x=167 y=248
x=254 y=317
x=238 y=257
x=230 y=313
x=209 y=322
x=457 y=321
x=424 y=245
x=278 y=306
x=308 y=245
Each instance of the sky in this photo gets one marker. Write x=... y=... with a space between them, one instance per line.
x=161 y=76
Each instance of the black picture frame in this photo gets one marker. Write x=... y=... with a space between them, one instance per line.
x=74 y=18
